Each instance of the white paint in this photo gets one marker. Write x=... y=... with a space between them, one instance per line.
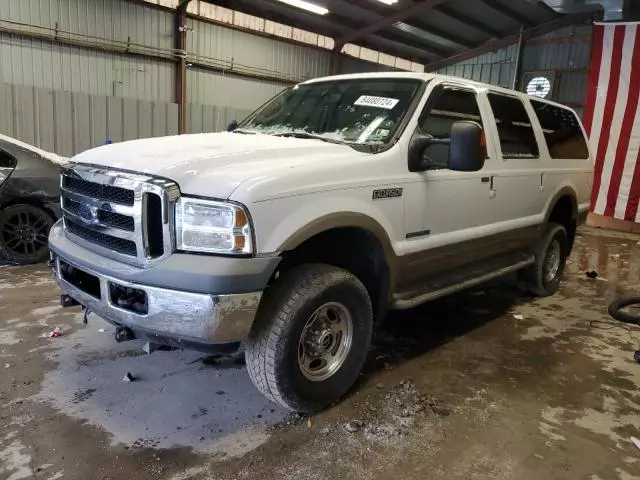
x=52 y=157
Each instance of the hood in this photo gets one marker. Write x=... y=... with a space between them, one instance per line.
x=214 y=164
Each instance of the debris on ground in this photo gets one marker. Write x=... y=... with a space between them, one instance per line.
x=519 y=317
x=309 y=424
x=353 y=426
x=7 y=365
x=56 y=332
x=129 y=378
x=102 y=330
x=636 y=442
x=591 y=274
x=325 y=431
x=380 y=385
x=570 y=351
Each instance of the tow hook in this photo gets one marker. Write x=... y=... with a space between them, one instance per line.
x=124 y=334
x=66 y=301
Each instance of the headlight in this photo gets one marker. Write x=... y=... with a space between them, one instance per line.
x=212 y=227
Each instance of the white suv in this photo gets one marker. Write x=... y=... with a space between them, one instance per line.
x=339 y=199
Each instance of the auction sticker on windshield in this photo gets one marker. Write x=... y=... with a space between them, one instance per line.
x=378 y=102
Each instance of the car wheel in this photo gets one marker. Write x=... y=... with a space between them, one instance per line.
x=543 y=277
x=24 y=234
x=310 y=340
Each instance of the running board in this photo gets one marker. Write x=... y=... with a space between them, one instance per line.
x=405 y=303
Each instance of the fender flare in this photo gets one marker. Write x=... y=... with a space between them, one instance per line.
x=346 y=220
x=563 y=192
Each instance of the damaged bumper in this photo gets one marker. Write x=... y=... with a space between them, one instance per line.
x=188 y=319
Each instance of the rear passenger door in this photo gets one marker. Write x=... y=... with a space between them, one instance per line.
x=517 y=184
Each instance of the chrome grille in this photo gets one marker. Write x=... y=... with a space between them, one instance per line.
x=128 y=217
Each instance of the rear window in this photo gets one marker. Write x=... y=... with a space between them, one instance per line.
x=562 y=131
x=514 y=127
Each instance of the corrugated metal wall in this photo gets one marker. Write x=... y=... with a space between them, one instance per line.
x=46 y=82
x=263 y=54
x=210 y=88
x=40 y=63
x=113 y=19
x=44 y=64
x=107 y=94
x=70 y=122
x=495 y=67
x=562 y=56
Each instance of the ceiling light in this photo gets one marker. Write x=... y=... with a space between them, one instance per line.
x=310 y=7
x=388 y=2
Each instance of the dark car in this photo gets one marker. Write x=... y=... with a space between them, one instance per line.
x=29 y=200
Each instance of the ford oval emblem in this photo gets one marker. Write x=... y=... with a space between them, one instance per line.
x=88 y=213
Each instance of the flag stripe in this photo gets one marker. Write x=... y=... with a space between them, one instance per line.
x=594 y=75
x=613 y=42
x=629 y=76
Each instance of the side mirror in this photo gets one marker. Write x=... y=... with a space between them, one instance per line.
x=232 y=126
x=467 y=149
x=419 y=142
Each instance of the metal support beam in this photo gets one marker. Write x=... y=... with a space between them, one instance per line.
x=416 y=9
x=181 y=66
x=491 y=46
x=517 y=71
x=335 y=62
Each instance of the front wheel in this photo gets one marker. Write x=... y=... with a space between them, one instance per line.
x=543 y=277
x=311 y=338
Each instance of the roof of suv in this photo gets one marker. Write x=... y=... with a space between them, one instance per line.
x=431 y=76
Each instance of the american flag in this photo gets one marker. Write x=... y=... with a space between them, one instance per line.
x=612 y=119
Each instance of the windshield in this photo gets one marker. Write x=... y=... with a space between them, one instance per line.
x=361 y=111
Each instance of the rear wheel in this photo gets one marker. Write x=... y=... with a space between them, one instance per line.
x=311 y=338
x=24 y=234
x=543 y=277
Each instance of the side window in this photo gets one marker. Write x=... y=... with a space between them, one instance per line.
x=514 y=127
x=562 y=131
x=6 y=160
x=446 y=106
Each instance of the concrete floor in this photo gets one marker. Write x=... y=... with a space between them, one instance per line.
x=484 y=385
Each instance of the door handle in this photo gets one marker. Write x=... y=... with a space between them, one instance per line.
x=486 y=179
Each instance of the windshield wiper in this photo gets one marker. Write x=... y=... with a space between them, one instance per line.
x=308 y=135
x=243 y=132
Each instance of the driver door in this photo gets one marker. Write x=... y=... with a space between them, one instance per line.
x=449 y=215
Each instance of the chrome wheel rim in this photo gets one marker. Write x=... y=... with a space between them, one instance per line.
x=552 y=261
x=325 y=342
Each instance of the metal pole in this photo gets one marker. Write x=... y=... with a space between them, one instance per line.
x=517 y=73
x=181 y=67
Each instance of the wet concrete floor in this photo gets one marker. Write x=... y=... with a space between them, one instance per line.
x=487 y=384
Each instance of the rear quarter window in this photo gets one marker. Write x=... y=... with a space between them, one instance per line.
x=562 y=132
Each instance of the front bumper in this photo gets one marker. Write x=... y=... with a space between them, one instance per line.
x=177 y=317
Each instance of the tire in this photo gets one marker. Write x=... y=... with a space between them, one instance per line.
x=539 y=278
x=616 y=307
x=24 y=234
x=276 y=361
